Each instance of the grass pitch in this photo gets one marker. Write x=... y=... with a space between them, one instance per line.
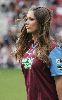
x=12 y=85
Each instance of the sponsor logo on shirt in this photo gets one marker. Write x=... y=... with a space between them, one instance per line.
x=59 y=67
x=59 y=61
x=27 y=62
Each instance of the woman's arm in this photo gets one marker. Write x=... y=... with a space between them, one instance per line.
x=58 y=82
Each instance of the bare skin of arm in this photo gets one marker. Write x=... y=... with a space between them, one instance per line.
x=58 y=82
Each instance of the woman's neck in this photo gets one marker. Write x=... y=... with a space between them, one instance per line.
x=35 y=38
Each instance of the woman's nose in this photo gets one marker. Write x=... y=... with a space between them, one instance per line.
x=27 y=22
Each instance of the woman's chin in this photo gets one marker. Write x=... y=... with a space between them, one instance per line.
x=29 y=31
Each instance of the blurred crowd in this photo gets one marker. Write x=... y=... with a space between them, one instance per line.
x=10 y=11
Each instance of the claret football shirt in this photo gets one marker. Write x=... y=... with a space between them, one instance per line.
x=39 y=83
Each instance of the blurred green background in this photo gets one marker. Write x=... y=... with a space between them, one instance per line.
x=12 y=85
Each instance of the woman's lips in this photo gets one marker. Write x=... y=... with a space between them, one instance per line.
x=27 y=27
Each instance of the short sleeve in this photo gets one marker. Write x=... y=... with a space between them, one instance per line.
x=55 y=57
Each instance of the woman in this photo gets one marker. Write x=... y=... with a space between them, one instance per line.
x=33 y=47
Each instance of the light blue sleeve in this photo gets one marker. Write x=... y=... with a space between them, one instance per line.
x=55 y=57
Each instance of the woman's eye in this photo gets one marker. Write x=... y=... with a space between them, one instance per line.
x=29 y=19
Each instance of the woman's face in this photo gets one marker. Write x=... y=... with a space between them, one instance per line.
x=31 y=23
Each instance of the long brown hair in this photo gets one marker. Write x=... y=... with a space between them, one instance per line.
x=43 y=17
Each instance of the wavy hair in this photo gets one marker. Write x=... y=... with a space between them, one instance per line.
x=43 y=17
